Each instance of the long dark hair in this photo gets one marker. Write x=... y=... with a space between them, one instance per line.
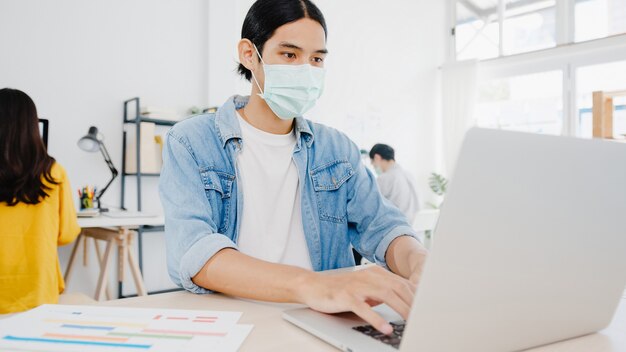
x=265 y=16
x=24 y=161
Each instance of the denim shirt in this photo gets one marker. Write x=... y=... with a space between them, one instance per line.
x=341 y=205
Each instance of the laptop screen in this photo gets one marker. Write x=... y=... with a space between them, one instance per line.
x=43 y=131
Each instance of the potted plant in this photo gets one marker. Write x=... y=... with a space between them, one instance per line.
x=439 y=185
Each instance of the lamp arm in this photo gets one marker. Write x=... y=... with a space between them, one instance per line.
x=114 y=172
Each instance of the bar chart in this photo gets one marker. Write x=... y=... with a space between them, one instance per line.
x=54 y=328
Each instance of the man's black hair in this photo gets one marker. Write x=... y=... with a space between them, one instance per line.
x=385 y=152
x=265 y=16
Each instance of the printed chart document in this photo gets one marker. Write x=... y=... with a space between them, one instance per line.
x=55 y=328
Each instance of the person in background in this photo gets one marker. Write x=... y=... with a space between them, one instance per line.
x=36 y=209
x=394 y=182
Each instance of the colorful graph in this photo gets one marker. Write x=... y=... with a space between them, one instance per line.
x=52 y=328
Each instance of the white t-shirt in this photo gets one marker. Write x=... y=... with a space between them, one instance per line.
x=271 y=224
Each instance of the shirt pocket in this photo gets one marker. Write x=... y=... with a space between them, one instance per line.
x=218 y=187
x=329 y=184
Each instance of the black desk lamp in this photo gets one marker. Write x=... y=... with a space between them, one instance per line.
x=92 y=142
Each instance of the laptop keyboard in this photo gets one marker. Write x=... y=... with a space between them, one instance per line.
x=393 y=340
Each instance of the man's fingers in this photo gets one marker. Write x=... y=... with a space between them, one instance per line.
x=415 y=278
x=393 y=300
x=373 y=302
x=390 y=275
x=404 y=289
x=366 y=313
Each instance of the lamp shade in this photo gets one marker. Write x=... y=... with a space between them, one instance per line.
x=90 y=142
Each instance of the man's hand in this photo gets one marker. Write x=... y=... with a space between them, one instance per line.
x=237 y=274
x=358 y=291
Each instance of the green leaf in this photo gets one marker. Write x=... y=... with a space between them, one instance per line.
x=438 y=184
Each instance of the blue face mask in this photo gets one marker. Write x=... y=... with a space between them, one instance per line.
x=291 y=90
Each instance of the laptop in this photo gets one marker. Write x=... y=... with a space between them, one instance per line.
x=530 y=249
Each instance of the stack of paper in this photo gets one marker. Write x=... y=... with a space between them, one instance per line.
x=88 y=213
x=150 y=151
x=53 y=328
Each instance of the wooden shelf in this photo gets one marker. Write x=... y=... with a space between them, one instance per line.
x=603 y=113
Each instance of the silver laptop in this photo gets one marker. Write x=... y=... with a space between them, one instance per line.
x=530 y=249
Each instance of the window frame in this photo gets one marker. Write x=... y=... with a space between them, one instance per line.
x=566 y=56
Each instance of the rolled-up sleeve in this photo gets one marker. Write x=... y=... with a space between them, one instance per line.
x=374 y=222
x=190 y=233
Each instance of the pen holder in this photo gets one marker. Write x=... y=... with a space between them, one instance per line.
x=86 y=196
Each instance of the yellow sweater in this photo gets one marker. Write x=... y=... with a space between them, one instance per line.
x=30 y=274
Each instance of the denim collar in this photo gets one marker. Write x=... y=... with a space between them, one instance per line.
x=228 y=127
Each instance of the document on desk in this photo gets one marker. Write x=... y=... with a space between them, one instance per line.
x=53 y=328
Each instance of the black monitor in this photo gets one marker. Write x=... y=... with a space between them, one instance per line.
x=43 y=131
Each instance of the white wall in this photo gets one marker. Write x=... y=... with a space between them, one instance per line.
x=382 y=84
x=79 y=60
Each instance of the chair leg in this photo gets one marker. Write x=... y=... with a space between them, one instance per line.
x=102 y=279
x=70 y=264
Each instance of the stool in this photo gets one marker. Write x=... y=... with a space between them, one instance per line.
x=122 y=238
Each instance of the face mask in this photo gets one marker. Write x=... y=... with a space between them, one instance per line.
x=378 y=170
x=291 y=90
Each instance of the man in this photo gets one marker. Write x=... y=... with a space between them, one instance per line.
x=394 y=183
x=257 y=199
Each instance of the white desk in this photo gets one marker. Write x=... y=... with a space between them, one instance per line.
x=115 y=231
x=272 y=333
x=426 y=220
x=109 y=221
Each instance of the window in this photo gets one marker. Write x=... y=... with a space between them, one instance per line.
x=528 y=26
x=529 y=103
x=599 y=18
x=549 y=88
x=486 y=29
x=477 y=31
x=491 y=28
x=603 y=77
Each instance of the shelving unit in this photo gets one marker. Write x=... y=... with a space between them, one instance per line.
x=136 y=120
x=603 y=108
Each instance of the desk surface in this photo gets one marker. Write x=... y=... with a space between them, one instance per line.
x=425 y=220
x=272 y=333
x=111 y=221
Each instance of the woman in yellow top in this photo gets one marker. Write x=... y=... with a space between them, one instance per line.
x=36 y=209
